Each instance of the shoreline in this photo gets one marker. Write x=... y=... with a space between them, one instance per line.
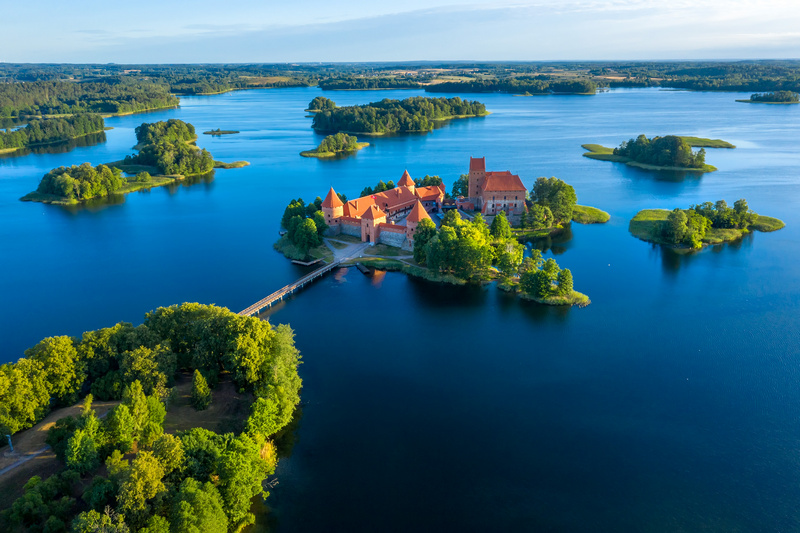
x=328 y=155
x=604 y=153
x=48 y=143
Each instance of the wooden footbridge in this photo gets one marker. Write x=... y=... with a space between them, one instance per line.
x=300 y=283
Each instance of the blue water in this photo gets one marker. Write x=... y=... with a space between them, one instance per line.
x=669 y=404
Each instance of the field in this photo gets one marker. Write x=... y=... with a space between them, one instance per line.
x=584 y=214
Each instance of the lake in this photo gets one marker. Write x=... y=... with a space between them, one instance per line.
x=669 y=404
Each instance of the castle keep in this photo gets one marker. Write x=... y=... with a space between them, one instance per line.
x=492 y=192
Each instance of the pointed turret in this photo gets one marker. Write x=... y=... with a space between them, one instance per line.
x=406 y=180
x=332 y=200
x=417 y=213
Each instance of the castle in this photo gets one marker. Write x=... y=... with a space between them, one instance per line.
x=391 y=217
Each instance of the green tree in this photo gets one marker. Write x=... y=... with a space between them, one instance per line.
x=539 y=217
x=121 y=428
x=306 y=236
x=509 y=257
x=94 y=522
x=141 y=482
x=501 y=229
x=24 y=395
x=134 y=399
x=81 y=453
x=461 y=187
x=675 y=227
x=63 y=373
x=156 y=524
x=426 y=230
x=201 y=394
x=168 y=449
x=319 y=221
x=564 y=280
x=559 y=196
x=198 y=508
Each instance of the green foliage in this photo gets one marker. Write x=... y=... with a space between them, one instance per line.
x=668 y=151
x=690 y=227
x=101 y=493
x=152 y=368
x=172 y=130
x=62 y=371
x=156 y=524
x=364 y=82
x=380 y=187
x=500 y=228
x=538 y=217
x=143 y=177
x=426 y=230
x=428 y=181
x=543 y=280
x=556 y=195
x=140 y=483
x=24 y=394
x=339 y=142
x=509 y=255
x=41 y=502
x=460 y=248
x=168 y=449
x=306 y=236
x=81 y=453
x=95 y=522
x=784 y=97
x=52 y=130
x=460 y=187
x=395 y=116
x=198 y=508
x=517 y=85
x=320 y=103
x=81 y=182
x=201 y=394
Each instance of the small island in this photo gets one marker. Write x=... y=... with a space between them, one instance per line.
x=334 y=145
x=700 y=225
x=777 y=97
x=40 y=132
x=671 y=152
x=166 y=154
x=412 y=115
x=220 y=132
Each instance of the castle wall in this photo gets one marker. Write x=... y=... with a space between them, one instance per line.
x=350 y=228
x=391 y=238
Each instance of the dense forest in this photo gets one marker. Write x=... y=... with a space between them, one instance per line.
x=395 y=116
x=305 y=223
x=338 y=143
x=516 y=85
x=365 y=82
x=120 y=95
x=165 y=145
x=784 y=97
x=668 y=151
x=124 y=472
x=81 y=182
x=52 y=130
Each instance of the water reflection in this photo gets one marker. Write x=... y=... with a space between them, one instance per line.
x=555 y=243
x=673 y=260
x=61 y=147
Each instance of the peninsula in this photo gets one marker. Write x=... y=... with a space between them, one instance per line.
x=333 y=145
x=417 y=114
x=39 y=132
x=671 y=152
x=166 y=154
x=777 y=97
x=416 y=229
x=168 y=425
x=700 y=225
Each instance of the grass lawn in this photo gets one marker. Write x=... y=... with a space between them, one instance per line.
x=584 y=214
x=383 y=250
x=226 y=413
x=288 y=249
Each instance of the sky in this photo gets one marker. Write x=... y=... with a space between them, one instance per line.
x=266 y=31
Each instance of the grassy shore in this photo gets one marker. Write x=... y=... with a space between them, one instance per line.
x=393 y=265
x=323 y=155
x=9 y=150
x=220 y=132
x=155 y=181
x=34 y=145
x=648 y=223
x=290 y=251
x=770 y=103
x=584 y=214
x=604 y=153
x=235 y=164
x=701 y=142
x=576 y=298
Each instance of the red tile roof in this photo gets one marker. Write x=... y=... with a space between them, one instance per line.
x=503 y=181
x=477 y=164
x=356 y=208
x=373 y=213
x=394 y=198
x=332 y=200
x=406 y=180
x=417 y=213
x=429 y=194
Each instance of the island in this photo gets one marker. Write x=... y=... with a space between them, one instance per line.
x=171 y=425
x=166 y=154
x=670 y=152
x=777 y=97
x=416 y=114
x=700 y=225
x=414 y=228
x=39 y=132
x=220 y=132
x=334 y=145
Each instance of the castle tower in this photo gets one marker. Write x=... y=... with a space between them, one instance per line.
x=477 y=178
x=370 y=221
x=332 y=208
x=406 y=181
x=417 y=215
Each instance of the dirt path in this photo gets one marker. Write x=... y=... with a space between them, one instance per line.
x=348 y=252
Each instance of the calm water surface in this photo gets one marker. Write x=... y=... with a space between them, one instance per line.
x=669 y=404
